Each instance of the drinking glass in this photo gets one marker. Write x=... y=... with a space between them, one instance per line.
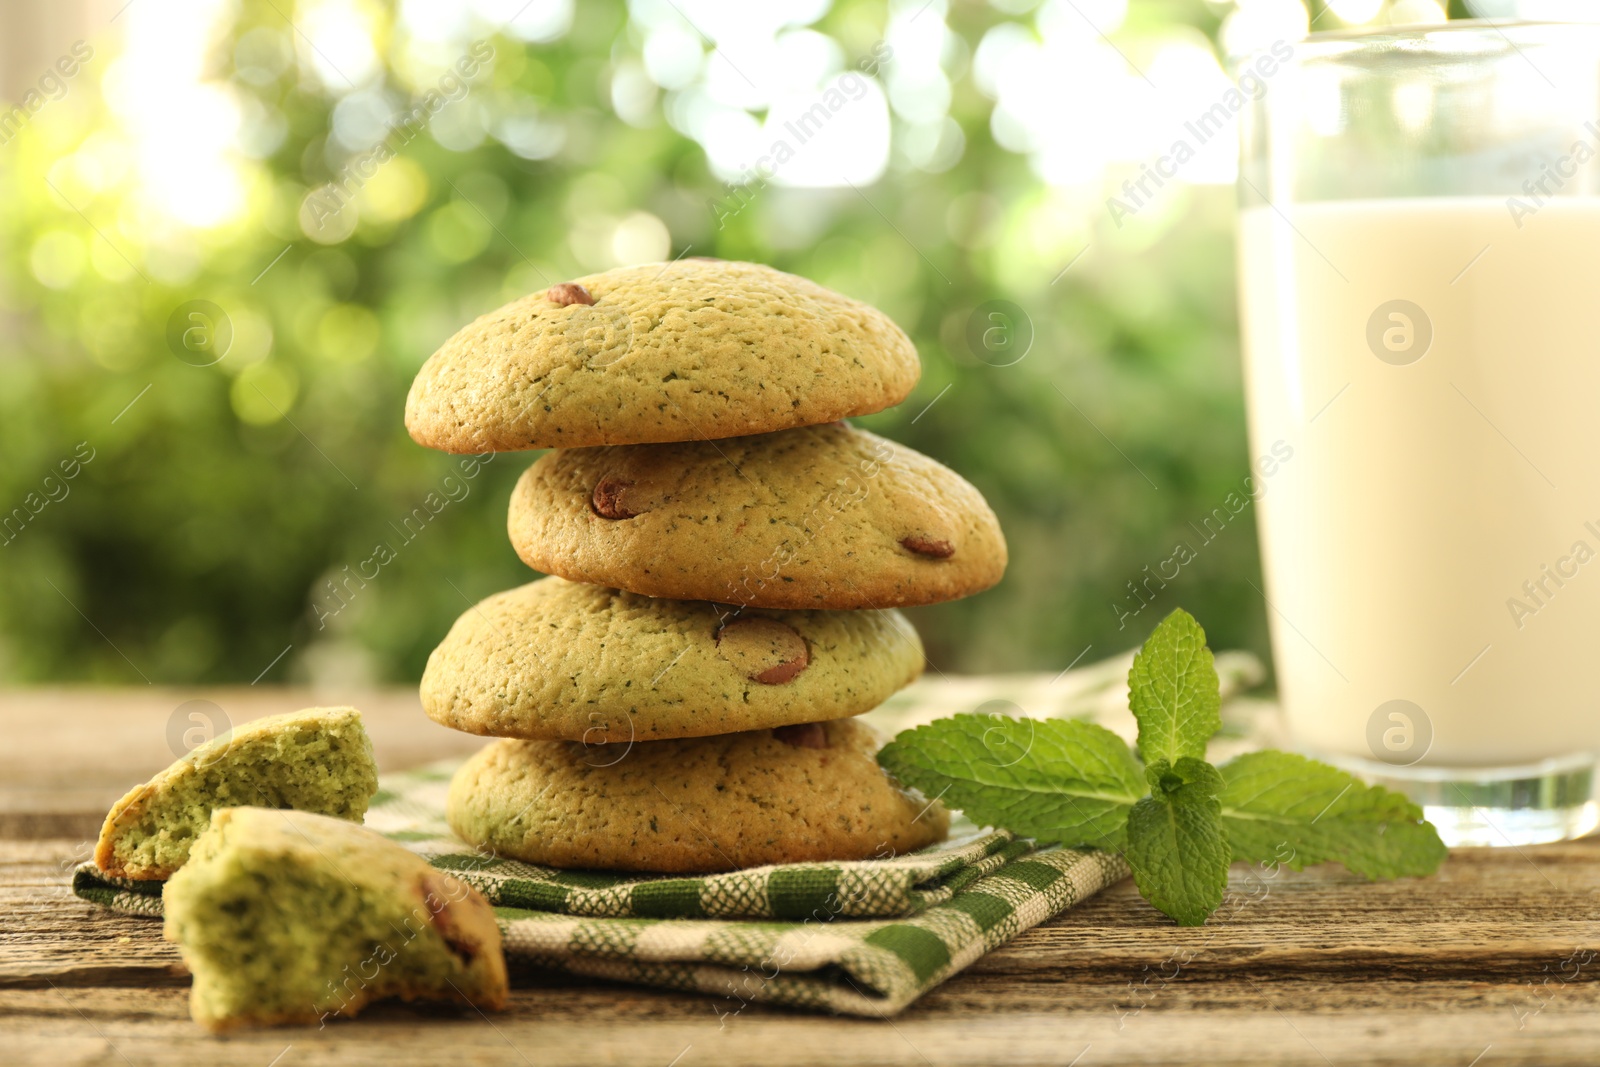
x=1419 y=264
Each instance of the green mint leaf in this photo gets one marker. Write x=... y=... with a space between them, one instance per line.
x=1173 y=691
x=1062 y=781
x=1177 y=849
x=1282 y=808
x=1179 y=821
x=1188 y=778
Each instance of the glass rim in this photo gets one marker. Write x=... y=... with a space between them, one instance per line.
x=1417 y=37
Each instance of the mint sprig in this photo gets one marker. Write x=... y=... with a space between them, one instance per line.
x=1060 y=780
x=1176 y=845
x=1177 y=820
x=1173 y=691
x=1281 y=808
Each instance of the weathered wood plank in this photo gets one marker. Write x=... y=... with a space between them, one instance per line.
x=1239 y=1021
x=70 y=753
x=75 y=751
x=1319 y=966
x=1488 y=914
x=1492 y=961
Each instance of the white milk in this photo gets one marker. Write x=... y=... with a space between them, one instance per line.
x=1437 y=538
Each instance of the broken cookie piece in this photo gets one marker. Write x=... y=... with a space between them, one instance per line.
x=291 y=917
x=319 y=759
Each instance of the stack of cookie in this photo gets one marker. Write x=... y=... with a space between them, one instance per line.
x=727 y=561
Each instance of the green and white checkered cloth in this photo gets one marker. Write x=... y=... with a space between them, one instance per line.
x=864 y=938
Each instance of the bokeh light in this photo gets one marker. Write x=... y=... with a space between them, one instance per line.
x=352 y=181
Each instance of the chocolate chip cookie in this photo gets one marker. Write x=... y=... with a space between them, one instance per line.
x=810 y=792
x=820 y=517
x=690 y=350
x=558 y=660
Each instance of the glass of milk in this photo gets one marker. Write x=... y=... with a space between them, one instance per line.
x=1419 y=247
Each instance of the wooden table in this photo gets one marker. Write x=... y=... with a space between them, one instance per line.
x=1491 y=962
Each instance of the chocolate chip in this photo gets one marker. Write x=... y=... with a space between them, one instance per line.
x=803 y=735
x=568 y=293
x=608 y=499
x=763 y=650
x=928 y=546
x=782 y=672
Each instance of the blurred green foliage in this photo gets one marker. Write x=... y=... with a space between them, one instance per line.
x=217 y=506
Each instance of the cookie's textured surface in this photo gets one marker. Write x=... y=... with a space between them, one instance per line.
x=690 y=350
x=286 y=916
x=821 y=517
x=797 y=794
x=557 y=660
x=319 y=759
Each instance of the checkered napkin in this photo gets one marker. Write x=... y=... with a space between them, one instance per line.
x=864 y=938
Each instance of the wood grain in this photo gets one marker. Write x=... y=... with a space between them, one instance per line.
x=1490 y=962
